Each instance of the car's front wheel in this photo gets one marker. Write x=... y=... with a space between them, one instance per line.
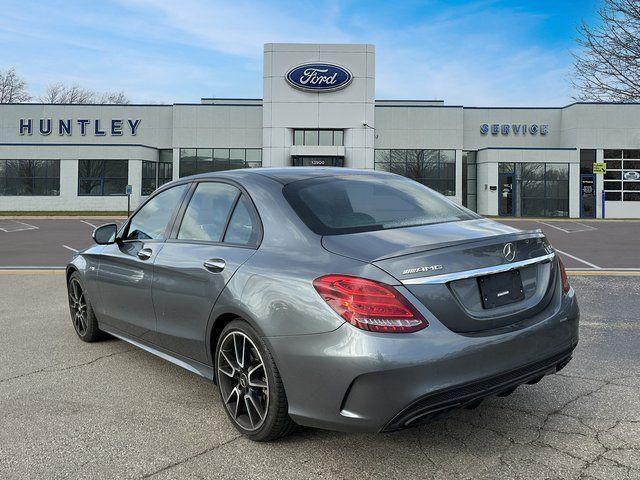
x=84 y=320
x=250 y=385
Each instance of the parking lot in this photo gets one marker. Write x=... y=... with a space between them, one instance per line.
x=110 y=410
x=583 y=244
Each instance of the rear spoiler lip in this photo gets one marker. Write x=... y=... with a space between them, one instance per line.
x=537 y=233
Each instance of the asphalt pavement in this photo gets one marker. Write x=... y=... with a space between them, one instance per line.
x=109 y=410
x=27 y=243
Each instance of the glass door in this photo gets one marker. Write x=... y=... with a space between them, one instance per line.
x=506 y=194
x=587 y=195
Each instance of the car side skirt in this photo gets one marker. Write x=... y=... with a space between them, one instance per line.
x=194 y=366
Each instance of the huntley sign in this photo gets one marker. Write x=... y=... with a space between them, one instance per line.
x=67 y=127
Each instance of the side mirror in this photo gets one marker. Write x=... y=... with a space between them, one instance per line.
x=105 y=234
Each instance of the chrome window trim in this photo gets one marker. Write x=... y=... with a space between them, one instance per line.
x=478 y=272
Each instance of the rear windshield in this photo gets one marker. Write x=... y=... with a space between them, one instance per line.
x=360 y=203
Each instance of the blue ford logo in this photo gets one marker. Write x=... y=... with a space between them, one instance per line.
x=319 y=77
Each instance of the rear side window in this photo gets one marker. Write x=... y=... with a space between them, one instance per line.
x=150 y=222
x=358 y=203
x=206 y=216
x=243 y=227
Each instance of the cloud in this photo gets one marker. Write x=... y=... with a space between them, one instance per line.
x=475 y=53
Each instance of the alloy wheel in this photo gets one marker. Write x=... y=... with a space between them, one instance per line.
x=243 y=382
x=78 y=305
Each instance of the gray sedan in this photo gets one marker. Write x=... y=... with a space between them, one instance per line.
x=334 y=298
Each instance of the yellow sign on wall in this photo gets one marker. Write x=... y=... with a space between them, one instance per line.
x=599 y=167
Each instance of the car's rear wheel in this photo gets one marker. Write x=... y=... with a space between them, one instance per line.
x=250 y=385
x=83 y=318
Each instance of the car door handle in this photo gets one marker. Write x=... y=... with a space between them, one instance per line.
x=214 y=264
x=145 y=254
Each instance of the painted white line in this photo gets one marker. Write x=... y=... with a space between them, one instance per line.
x=579 y=259
x=553 y=226
x=88 y=223
x=10 y=228
x=586 y=227
x=70 y=248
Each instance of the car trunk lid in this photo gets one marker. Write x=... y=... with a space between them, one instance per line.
x=460 y=270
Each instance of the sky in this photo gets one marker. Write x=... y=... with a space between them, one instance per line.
x=473 y=53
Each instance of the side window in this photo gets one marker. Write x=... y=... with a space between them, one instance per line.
x=151 y=220
x=208 y=211
x=243 y=227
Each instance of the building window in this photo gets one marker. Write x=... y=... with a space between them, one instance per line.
x=434 y=168
x=318 y=137
x=542 y=189
x=102 y=177
x=469 y=180
x=203 y=160
x=156 y=174
x=587 y=159
x=622 y=180
x=30 y=177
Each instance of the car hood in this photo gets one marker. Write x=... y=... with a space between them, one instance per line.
x=381 y=244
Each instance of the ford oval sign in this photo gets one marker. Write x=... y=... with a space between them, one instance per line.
x=319 y=77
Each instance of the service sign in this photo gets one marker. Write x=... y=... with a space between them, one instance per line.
x=319 y=77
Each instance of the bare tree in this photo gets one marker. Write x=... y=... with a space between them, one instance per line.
x=75 y=94
x=607 y=68
x=13 y=89
x=61 y=93
x=119 y=98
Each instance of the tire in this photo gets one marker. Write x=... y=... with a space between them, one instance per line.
x=83 y=318
x=249 y=382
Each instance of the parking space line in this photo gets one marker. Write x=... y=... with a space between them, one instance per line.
x=11 y=230
x=89 y=223
x=579 y=259
x=70 y=248
x=553 y=226
x=586 y=227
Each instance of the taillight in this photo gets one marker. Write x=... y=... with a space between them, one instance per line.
x=563 y=277
x=369 y=305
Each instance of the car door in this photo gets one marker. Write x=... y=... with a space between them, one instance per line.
x=218 y=231
x=125 y=271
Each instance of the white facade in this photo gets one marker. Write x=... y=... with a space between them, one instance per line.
x=425 y=139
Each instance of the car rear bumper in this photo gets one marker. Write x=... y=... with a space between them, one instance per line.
x=353 y=380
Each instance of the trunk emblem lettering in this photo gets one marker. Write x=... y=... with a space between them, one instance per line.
x=429 y=268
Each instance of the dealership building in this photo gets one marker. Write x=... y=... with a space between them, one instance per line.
x=319 y=108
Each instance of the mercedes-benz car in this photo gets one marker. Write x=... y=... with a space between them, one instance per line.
x=342 y=299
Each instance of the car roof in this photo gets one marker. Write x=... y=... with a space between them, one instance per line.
x=287 y=175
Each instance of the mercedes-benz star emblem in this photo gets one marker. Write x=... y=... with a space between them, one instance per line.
x=509 y=252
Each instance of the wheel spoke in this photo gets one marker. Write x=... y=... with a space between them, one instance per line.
x=248 y=406
x=239 y=349
x=255 y=404
x=256 y=382
x=234 y=367
x=230 y=374
x=235 y=392
x=76 y=289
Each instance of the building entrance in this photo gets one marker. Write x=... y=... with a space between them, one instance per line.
x=506 y=197
x=587 y=195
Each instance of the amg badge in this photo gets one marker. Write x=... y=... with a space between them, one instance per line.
x=429 y=268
